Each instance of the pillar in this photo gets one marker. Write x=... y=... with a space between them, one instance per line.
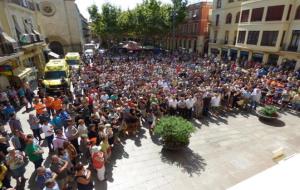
x=297 y=66
x=279 y=61
x=265 y=58
x=250 y=55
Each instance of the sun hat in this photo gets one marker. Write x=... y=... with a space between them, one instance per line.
x=10 y=149
x=95 y=149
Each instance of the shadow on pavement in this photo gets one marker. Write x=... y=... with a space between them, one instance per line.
x=118 y=153
x=186 y=159
x=273 y=123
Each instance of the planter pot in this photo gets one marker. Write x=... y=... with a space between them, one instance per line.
x=174 y=145
x=267 y=118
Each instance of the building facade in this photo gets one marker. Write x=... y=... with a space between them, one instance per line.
x=87 y=37
x=256 y=30
x=61 y=23
x=21 y=45
x=192 y=34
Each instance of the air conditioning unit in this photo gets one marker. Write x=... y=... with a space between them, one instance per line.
x=25 y=39
x=38 y=38
x=33 y=37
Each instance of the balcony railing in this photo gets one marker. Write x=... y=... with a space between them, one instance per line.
x=28 y=39
x=291 y=48
x=24 y=3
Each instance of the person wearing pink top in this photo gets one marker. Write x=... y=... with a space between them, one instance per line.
x=59 y=139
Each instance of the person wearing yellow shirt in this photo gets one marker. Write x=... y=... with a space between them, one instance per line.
x=4 y=179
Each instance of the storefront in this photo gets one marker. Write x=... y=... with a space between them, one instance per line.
x=233 y=54
x=244 y=55
x=257 y=57
x=273 y=59
x=289 y=64
x=224 y=53
x=214 y=51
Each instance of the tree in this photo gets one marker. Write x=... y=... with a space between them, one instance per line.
x=179 y=8
x=151 y=20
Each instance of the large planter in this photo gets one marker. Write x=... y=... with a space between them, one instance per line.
x=268 y=113
x=174 y=145
x=174 y=131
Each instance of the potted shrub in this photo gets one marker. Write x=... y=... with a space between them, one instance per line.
x=174 y=131
x=268 y=112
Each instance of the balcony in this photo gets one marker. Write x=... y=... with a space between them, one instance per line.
x=25 y=4
x=29 y=40
x=290 y=48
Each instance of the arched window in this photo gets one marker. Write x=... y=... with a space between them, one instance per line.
x=219 y=4
x=237 y=17
x=297 y=15
x=228 y=18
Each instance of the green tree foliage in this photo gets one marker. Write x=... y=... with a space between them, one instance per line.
x=149 y=20
x=174 y=130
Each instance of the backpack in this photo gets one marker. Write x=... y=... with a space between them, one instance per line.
x=96 y=163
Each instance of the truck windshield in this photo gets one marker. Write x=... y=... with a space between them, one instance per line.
x=53 y=75
x=73 y=62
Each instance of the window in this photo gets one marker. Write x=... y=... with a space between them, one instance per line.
x=269 y=38
x=228 y=18
x=257 y=14
x=230 y=1
x=275 y=13
x=226 y=37
x=215 y=36
x=241 y=38
x=289 y=12
x=297 y=15
x=219 y=3
x=17 y=26
x=295 y=40
x=252 y=37
x=237 y=17
x=245 y=16
x=217 y=20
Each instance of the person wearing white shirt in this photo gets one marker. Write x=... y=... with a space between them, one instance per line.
x=172 y=103
x=190 y=102
x=49 y=134
x=181 y=106
x=255 y=97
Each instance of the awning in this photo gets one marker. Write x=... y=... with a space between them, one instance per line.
x=10 y=40
x=52 y=54
x=22 y=72
x=36 y=32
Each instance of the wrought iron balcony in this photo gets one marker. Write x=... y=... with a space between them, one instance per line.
x=26 y=4
x=290 y=47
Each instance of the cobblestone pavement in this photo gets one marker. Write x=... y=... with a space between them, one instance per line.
x=222 y=152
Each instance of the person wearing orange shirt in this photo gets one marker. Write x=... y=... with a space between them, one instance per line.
x=41 y=111
x=56 y=104
x=40 y=108
x=48 y=101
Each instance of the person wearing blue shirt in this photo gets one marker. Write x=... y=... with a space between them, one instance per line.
x=57 y=122
x=44 y=174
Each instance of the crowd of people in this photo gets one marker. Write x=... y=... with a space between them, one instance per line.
x=113 y=97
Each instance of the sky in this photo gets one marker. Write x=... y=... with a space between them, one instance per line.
x=124 y=4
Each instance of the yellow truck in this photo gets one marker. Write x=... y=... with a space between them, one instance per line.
x=56 y=76
x=73 y=60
